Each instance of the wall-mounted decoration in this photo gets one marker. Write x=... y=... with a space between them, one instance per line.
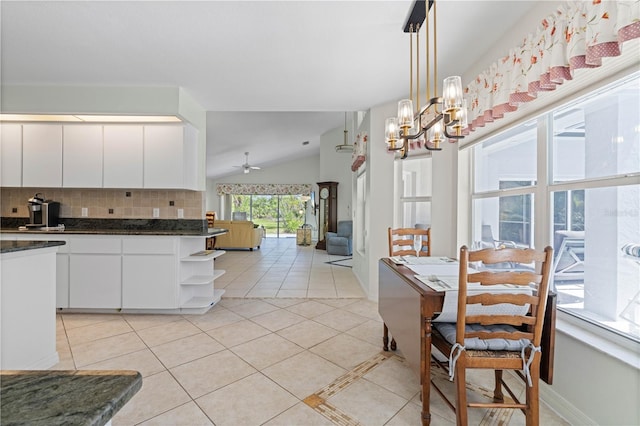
x=359 y=151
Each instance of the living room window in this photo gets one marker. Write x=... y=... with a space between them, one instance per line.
x=592 y=188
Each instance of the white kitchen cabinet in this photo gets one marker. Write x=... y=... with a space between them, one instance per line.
x=123 y=156
x=42 y=155
x=163 y=156
x=95 y=272
x=82 y=156
x=149 y=273
x=95 y=281
x=10 y=154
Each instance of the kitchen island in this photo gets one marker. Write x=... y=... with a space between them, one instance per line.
x=28 y=304
x=132 y=269
x=65 y=397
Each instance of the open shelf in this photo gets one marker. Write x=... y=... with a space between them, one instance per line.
x=203 y=279
x=202 y=302
x=203 y=256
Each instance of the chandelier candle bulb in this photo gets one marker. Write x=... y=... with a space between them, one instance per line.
x=391 y=131
x=405 y=115
x=452 y=93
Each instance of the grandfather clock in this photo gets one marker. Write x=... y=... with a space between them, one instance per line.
x=328 y=212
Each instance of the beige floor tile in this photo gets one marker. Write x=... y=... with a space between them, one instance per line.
x=159 y=394
x=266 y=351
x=81 y=320
x=250 y=401
x=351 y=291
x=370 y=331
x=395 y=376
x=214 y=318
x=283 y=303
x=237 y=333
x=292 y=293
x=235 y=292
x=308 y=333
x=142 y=321
x=410 y=415
x=164 y=333
x=277 y=320
x=321 y=293
x=300 y=414
x=239 y=284
x=97 y=331
x=188 y=414
x=345 y=351
x=143 y=361
x=186 y=349
x=338 y=303
x=340 y=320
x=253 y=308
x=262 y=292
x=110 y=347
x=294 y=284
x=269 y=284
x=230 y=302
x=310 y=309
x=212 y=372
x=293 y=374
x=358 y=399
x=365 y=308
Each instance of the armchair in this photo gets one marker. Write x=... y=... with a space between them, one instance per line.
x=340 y=242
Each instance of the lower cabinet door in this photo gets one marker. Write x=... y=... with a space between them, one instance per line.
x=95 y=281
x=149 y=281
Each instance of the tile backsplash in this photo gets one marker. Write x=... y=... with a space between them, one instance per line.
x=108 y=203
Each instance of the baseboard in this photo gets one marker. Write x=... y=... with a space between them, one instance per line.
x=562 y=407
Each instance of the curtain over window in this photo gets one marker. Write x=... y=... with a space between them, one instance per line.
x=578 y=35
x=263 y=188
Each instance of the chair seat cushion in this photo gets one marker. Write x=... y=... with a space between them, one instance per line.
x=338 y=241
x=448 y=332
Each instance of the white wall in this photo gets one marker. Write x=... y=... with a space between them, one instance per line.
x=336 y=167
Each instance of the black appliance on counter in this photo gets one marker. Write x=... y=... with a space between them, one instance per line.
x=43 y=213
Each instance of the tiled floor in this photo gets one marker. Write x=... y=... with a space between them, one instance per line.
x=249 y=361
x=280 y=268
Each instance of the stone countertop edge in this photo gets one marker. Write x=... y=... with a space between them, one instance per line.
x=13 y=246
x=58 y=397
x=211 y=232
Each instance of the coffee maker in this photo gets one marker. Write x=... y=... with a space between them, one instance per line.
x=43 y=213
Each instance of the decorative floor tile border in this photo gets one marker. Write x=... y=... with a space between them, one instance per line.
x=318 y=400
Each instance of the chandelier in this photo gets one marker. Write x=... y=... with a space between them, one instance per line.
x=443 y=116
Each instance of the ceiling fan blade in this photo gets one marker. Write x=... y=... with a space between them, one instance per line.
x=254 y=167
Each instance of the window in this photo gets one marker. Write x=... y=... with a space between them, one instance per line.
x=505 y=170
x=592 y=188
x=279 y=215
x=595 y=151
x=415 y=191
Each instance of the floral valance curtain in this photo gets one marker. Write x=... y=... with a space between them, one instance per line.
x=578 y=35
x=264 y=188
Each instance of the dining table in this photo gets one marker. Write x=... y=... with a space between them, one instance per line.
x=409 y=303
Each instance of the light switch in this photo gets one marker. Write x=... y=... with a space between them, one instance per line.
x=156 y=212
x=85 y=212
x=180 y=213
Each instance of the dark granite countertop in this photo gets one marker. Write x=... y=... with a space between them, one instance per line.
x=211 y=232
x=50 y=397
x=12 y=246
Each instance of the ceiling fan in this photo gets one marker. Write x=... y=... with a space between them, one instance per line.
x=246 y=167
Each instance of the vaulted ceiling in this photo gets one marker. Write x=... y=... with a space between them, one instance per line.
x=271 y=74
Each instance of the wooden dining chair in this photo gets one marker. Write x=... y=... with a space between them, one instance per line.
x=495 y=336
x=401 y=241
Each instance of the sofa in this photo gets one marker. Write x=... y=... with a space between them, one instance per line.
x=242 y=234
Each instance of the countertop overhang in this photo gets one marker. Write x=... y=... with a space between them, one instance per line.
x=211 y=232
x=58 y=397
x=14 y=246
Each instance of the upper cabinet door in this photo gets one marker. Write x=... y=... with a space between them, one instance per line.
x=82 y=156
x=10 y=155
x=163 y=156
x=123 y=154
x=42 y=155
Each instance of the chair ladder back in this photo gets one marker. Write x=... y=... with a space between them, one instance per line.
x=401 y=241
x=529 y=326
